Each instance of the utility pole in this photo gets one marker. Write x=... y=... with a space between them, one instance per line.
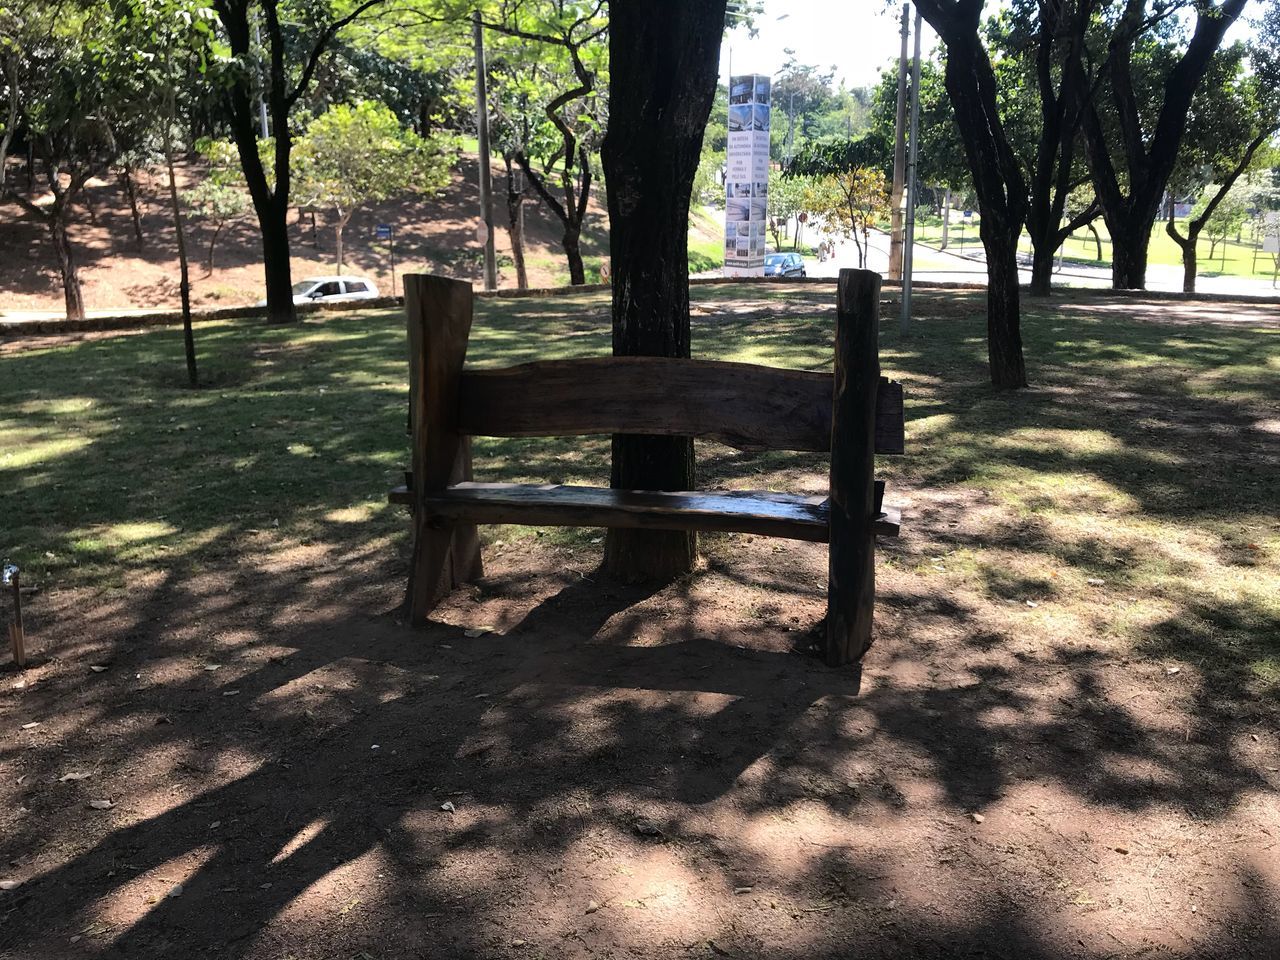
x=908 y=250
x=899 y=160
x=486 y=176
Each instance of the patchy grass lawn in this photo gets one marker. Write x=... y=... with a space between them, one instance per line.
x=1143 y=456
x=1064 y=744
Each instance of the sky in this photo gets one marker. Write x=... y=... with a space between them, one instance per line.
x=857 y=37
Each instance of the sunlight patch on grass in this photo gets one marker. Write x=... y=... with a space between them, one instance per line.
x=34 y=453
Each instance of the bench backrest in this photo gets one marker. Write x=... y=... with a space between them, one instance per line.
x=746 y=406
x=742 y=405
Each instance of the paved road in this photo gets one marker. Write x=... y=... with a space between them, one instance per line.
x=934 y=264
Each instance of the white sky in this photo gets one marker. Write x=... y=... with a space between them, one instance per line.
x=857 y=37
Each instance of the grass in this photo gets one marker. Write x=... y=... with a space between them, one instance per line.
x=1145 y=458
x=1234 y=258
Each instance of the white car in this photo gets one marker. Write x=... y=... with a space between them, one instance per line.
x=334 y=289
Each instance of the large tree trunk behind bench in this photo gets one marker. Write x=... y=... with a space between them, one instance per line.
x=663 y=69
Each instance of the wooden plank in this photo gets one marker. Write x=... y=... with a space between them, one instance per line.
x=743 y=405
x=851 y=558
x=439 y=313
x=789 y=516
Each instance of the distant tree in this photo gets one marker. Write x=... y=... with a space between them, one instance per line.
x=1234 y=116
x=849 y=204
x=12 y=58
x=353 y=156
x=556 y=57
x=219 y=198
x=73 y=91
x=998 y=176
x=296 y=39
x=786 y=200
x=1133 y=140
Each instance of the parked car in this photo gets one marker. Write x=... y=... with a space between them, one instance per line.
x=332 y=290
x=784 y=265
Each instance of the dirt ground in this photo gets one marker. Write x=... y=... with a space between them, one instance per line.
x=562 y=766
x=433 y=235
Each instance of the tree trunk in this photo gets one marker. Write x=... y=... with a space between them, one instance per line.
x=1189 y=267
x=573 y=253
x=1041 y=268
x=663 y=70
x=997 y=179
x=515 y=224
x=184 y=269
x=1004 y=334
x=1130 y=238
x=126 y=177
x=946 y=219
x=71 y=293
x=276 y=266
x=217 y=230
x=337 y=236
x=1097 y=242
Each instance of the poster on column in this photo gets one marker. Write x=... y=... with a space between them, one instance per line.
x=746 y=186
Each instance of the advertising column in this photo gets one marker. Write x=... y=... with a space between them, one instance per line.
x=746 y=187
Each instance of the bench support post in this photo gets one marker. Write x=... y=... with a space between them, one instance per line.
x=852 y=572
x=445 y=553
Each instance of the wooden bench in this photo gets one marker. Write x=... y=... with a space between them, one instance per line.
x=853 y=413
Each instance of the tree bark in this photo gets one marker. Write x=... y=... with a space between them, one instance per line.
x=67 y=269
x=126 y=177
x=663 y=69
x=572 y=244
x=1004 y=331
x=997 y=178
x=515 y=224
x=184 y=269
x=1042 y=269
x=946 y=219
x=217 y=231
x=337 y=236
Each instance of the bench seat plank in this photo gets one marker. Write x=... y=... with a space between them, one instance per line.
x=790 y=516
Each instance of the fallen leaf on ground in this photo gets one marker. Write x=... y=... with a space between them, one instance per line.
x=212 y=667
x=1172 y=670
x=231 y=693
x=1094 y=582
x=35 y=723
x=101 y=804
x=1121 y=849
x=477 y=632
x=74 y=776
x=647 y=828
x=447 y=806
x=977 y=817
x=592 y=906
x=10 y=884
x=97 y=668
x=742 y=890
x=175 y=891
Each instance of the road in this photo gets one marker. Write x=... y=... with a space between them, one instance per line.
x=946 y=265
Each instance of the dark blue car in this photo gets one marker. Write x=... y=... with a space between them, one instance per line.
x=783 y=265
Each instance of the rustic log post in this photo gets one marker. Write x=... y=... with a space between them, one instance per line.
x=851 y=571
x=445 y=553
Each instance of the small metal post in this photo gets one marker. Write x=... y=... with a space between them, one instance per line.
x=12 y=578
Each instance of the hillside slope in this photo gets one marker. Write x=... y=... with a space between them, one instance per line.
x=433 y=235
